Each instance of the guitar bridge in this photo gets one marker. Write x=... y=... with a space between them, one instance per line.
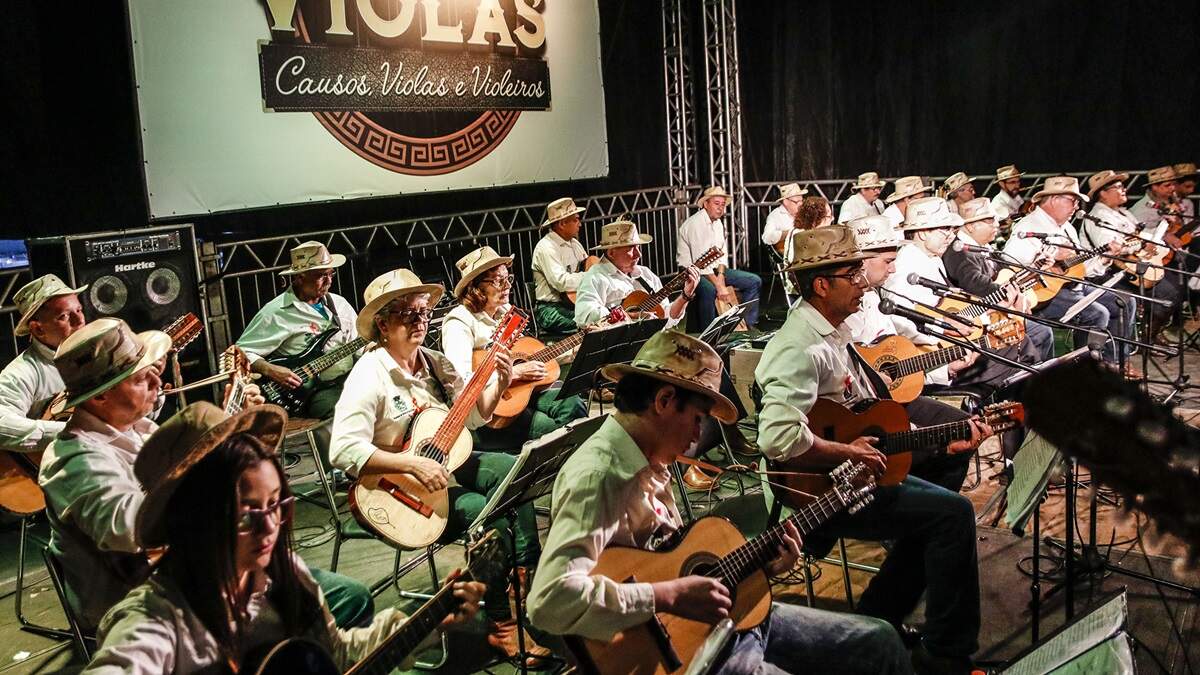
x=405 y=498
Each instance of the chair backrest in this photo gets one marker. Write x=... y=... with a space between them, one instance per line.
x=524 y=295
x=83 y=643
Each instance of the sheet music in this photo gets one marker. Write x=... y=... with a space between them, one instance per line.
x=1090 y=298
x=1031 y=472
x=1102 y=625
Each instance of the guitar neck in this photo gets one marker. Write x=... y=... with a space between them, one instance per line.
x=923 y=363
x=388 y=656
x=756 y=553
x=936 y=436
x=446 y=434
x=546 y=354
x=676 y=282
x=328 y=359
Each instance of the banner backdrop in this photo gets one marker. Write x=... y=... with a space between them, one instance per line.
x=253 y=103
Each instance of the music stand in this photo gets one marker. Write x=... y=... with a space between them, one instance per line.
x=725 y=324
x=531 y=478
x=615 y=344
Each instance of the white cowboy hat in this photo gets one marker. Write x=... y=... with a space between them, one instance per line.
x=869 y=179
x=1060 y=185
x=312 y=255
x=560 y=209
x=683 y=361
x=34 y=294
x=387 y=287
x=876 y=232
x=103 y=354
x=929 y=213
x=791 y=190
x=475 y=263
x=620 y=233
x=709 y=193
x=907 y=187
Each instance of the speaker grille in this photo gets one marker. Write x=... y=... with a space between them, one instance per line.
x=108 y=294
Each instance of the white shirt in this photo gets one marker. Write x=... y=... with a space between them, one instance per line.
x=557 y=266
x=894 y=215
x=604 y=286
x=1006 y=205
x=378 y=402
x=605 y=494
x=856 y=206
x=464 y=331
x=285 y=325
x=27 y=384
x=1094 y=235
x=779 y=224
x=1025 y=250
x=806 y=359
x=869 y=324
x=909 y=260
x=1145 y=211
x=697 y=234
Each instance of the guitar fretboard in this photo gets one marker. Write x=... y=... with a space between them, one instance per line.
x=328 y=359
x=655 y=299
x=936 y=436
x=923 y=363
x=389 y=655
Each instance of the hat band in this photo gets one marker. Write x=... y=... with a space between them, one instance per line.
x=664 y=370
x=116 y=370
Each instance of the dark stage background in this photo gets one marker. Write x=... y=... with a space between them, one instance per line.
x=829 y=89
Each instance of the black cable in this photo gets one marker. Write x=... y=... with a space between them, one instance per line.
x=1153 y=656
x=1167 y=608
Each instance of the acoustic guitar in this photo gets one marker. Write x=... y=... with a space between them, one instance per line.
x=643 y=302
x=711 y=547
x=906 y=364
x=397 y=507
x=887 y=421
x=236 y=367
x=587 y=265
x=308 y=366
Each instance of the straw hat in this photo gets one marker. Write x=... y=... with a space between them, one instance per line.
x=709 y=193
x=103 y=354
x=791 y=190
x=956 y=182
x=907 y=187
x=869 y=179
x=475 y=263
x=560 y=209
x=683 y=361
x=1008 y=172
x=387 y=287
x=1160 y=175
x=977 y=209
x=180 y=443
x=929 y=213
x=312 y=255
x=620 y=233
x=1184 y=170
x=873 y=233
x=824 y=247
x=34 y=294
x=1061 y=185
x=1099 y=181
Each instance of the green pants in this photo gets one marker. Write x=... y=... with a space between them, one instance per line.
x=478 y=479
x=544 y=414
x=349 y=601
x=555 y=318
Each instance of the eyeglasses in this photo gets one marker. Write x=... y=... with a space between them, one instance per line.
x=500 y=283
x=858 y=278
x=1115 y=186
x=412 y=316
x=253 y=520
x=321 y=274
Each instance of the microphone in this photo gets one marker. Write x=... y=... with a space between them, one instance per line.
x=1035 y=235
x=959 y=246
x=918 y=280
x=888 y=306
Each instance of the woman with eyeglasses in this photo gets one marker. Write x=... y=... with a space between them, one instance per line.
x=383 y=393
x=484 y=291
x=229 y=586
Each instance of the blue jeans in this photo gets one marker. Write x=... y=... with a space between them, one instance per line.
x=747 y=285
x=1041 y=342
x=796 y=639
x=1094 y=316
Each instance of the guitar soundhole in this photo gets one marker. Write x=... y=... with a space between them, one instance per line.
x=426 y=449
x=706 y=565
x=890 y=370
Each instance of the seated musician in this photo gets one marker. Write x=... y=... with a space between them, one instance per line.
x=814 y=211
x=701 y=231
x=933 y=529
x=958 y=191
x=618 y=274
x=865 y=200
x=558 y=267
x=1185 y=187
x=483 y=291
x=615 y=490
x=1107 y=188
x=383 y=393
x=777 y=231
x=907 y=189
x=1007 y=203
x=50 y=312
x=1159 y=201
x=975 y=272
x=234 y=587
x=1055 y=205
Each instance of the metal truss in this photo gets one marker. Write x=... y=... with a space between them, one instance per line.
x=11 y=280
x=678 y=88
x=723 y=110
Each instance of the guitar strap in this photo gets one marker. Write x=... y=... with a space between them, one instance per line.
x=332 y=309
x=876 y=382
x=441 y=388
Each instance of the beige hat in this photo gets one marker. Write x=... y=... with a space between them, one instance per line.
x=824 y=247
x=620 y=233
x=869 y=179
x=559 y=209
x=977 y=209
x=681 y=360
x=956 y=182
x=791 y=190
x=907 y=187
x=312 y=255
x=180 y=443
x=103 y=354
x=1102 y=179
x=876 y=232
x=1007 y=172
x=1059 y=185
x=1160 y=175
x=387 y=287
x=709 y=193
x=34 y=294
x=1184 y=170
x=475 y=263
x=929 y=213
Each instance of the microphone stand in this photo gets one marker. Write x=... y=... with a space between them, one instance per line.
x=1010 y=262
x=1105 y=226
x=1133 y=261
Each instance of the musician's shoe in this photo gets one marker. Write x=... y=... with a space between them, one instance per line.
x=603 y=395
x=1133 y=373
x=738 y=442
x=503 y=638
x=925 y=663
x=697 y=479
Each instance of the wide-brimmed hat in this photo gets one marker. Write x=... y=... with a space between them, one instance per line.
x=824 y=247
x=683 y=361
x=956 y=182
x=1184 y=170
x=791 y=190
x=710 y=192
x=869 y=179
x=977 y=209
x=560 y=209
x=876 y=232
x=1059 y=185
x=907 y=187
x=387 y=287
x=103 y=354
x=1098 y=181
x=34 y=294
x=1008 y=172
x=313 y=255
x=180 y=443
x=929 y=213
x=620 y=233
x=1160 y=175
x=475 y=263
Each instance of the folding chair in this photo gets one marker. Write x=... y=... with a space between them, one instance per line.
x=84 y=644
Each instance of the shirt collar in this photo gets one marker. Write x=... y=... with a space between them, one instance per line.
x=42 y=349
x=968 y=239
x=83 y=421
x=815 y=319
x=553 y=236
x=289 y=297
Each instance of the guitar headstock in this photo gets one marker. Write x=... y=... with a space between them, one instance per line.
x=853 y=484
x=485 y=558
x=1004 y=331
x=233 y=360
x=183 y=331
x=710 y=256
x=1004 y=415
x=511 y=327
